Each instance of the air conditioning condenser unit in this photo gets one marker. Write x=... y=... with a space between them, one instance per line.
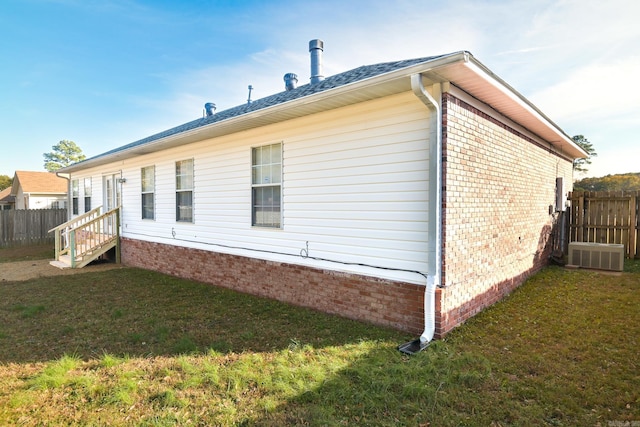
x=602 y=256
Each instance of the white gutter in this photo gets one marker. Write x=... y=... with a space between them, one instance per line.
x=435 y=217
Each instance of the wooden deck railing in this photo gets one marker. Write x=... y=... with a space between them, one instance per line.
x=84 y=238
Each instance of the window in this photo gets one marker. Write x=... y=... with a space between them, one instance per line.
x=148 y=192
x=184 y=191
x=266 y=186
x=87 y=194
x=75 y=192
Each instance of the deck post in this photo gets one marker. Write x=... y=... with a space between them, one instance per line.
x=117 y=213
x=72 y=247
x=57 y=243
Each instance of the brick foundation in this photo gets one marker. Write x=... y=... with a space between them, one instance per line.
x=381 y=302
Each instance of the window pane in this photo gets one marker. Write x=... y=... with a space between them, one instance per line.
x=257 y=156
x=276 y=153
x=265 y=175
x=255 y=175
x=148 y=178
x=276 y=173
x=184 y=182
x=147 y=206
x=87 y=187
x=184 y=206
x=184 y=175
x=266 y=208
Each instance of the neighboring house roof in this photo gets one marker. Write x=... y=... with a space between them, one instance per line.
x=6 y=197
x=39 y=183
x=357 y=85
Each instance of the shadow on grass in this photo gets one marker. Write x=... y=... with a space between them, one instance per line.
x=137 y=312
x=386 y=388
x=558 y=351
x=632 y=265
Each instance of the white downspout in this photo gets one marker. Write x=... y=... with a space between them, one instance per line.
x=435 y=209
x=67 y=176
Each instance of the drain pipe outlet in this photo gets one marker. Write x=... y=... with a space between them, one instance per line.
x=435 y=217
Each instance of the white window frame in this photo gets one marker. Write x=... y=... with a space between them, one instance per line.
x=266 y=186
x=145 y=191
x=184 y=186
x=75 y=196
x=87 y=194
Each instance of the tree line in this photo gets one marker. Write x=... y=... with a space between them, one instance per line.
x=618 y=182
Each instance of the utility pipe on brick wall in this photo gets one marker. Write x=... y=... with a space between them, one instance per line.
x=435 y=220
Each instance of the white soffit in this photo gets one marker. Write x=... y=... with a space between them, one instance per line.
x=479 y=82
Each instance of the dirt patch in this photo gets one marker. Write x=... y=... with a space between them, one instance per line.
x=25 y=270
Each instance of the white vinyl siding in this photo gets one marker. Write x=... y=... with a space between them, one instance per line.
x=354 y=186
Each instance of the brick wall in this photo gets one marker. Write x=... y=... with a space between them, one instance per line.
x=497 y=188
x=381 y=302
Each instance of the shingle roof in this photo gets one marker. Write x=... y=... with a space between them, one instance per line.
x=347 y=77
x=40 y=182
x=5 y=196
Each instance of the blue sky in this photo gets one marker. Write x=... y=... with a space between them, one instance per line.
x=104 y=73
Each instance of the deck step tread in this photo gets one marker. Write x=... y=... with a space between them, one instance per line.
x=60 y=264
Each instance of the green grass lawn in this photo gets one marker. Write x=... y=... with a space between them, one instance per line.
x=27 y=253
x=133 y=347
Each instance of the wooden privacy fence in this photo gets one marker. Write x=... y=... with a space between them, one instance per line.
x=606 y=217
x=29 y=226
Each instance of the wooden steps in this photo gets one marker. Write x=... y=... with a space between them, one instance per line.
x=84 y=239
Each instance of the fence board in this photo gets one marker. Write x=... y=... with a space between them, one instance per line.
x=29 y=226
x=606 y=217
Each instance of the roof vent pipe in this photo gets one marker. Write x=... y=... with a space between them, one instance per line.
x=210 y=108
x=290 y=81
x=316 y=47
